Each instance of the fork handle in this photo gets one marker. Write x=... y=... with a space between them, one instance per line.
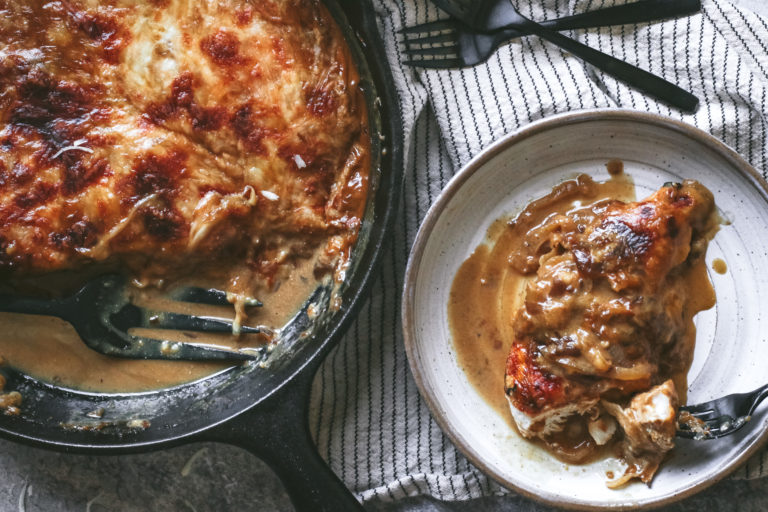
x=636 y=12
x=29 y=306
x=638 y=78
x=758 y=396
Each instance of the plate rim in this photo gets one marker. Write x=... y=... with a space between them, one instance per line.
x=430 y=220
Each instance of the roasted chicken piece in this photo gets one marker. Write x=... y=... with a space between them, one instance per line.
x=606 y=316
x=649 y=425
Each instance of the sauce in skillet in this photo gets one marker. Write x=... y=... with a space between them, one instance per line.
x=173 y=139
x=49 y=349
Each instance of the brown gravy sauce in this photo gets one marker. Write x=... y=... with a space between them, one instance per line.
x=49 y=348
x=719 y=266
x=487 y=291
x=615 y=167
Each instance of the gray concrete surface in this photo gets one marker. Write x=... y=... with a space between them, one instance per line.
x=211 y=477
x=223 y=478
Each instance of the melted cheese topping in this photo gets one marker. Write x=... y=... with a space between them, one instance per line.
x=169 y=133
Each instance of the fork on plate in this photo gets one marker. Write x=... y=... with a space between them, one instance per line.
x=102 y=314
x=463 y=43
x=719 y=417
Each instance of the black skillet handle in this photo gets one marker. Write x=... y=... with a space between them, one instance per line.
x=277 y=431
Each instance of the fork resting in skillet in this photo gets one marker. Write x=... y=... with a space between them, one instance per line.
x=102 y=315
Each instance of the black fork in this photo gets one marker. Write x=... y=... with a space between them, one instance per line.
x=719 y=417
x=102 y=314
x=488 y=15
x=457 y=44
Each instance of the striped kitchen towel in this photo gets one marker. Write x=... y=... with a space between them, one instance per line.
x=367 y=416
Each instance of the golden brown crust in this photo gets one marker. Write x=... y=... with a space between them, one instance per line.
x=605 y=304
x=176 y=130
x=608 y=311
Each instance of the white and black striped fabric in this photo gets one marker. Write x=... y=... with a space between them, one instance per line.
x=367 y=416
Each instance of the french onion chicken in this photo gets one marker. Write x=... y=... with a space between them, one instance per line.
x=604 y=336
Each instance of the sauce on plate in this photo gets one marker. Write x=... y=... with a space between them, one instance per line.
x=488 y=290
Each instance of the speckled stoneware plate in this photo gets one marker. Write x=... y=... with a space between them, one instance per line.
x=732 y=342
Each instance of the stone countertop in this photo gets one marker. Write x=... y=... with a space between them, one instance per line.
x=210 y=477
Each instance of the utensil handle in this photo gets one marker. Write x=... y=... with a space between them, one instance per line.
x=29 y=306
x=277 y=431
x=636 y=12
x=504 y=17
x=757 y=397
x=638 y=78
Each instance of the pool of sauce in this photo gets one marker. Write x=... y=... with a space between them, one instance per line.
x=50 y=350
x=615 y=167
x=487 y=291
x=719 y=266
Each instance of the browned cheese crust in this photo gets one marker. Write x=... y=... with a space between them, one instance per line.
x=166 y=133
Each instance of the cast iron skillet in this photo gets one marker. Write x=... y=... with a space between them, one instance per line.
x=263 y=410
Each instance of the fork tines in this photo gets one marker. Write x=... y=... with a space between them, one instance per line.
x=425 y=28
x=432 y=45
x=208 y=296
x=201 y=296
x=182 y=322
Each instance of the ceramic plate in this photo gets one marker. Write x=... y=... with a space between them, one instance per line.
x=732 y=340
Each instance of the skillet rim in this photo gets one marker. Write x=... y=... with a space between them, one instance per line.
x=357 y=22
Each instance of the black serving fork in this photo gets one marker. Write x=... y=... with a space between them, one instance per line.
x=102 y=314
x=719 y=417
x=474 y=47
x=488 y=15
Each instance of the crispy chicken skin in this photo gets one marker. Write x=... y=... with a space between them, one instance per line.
x=176 y=130
x=604 y=315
